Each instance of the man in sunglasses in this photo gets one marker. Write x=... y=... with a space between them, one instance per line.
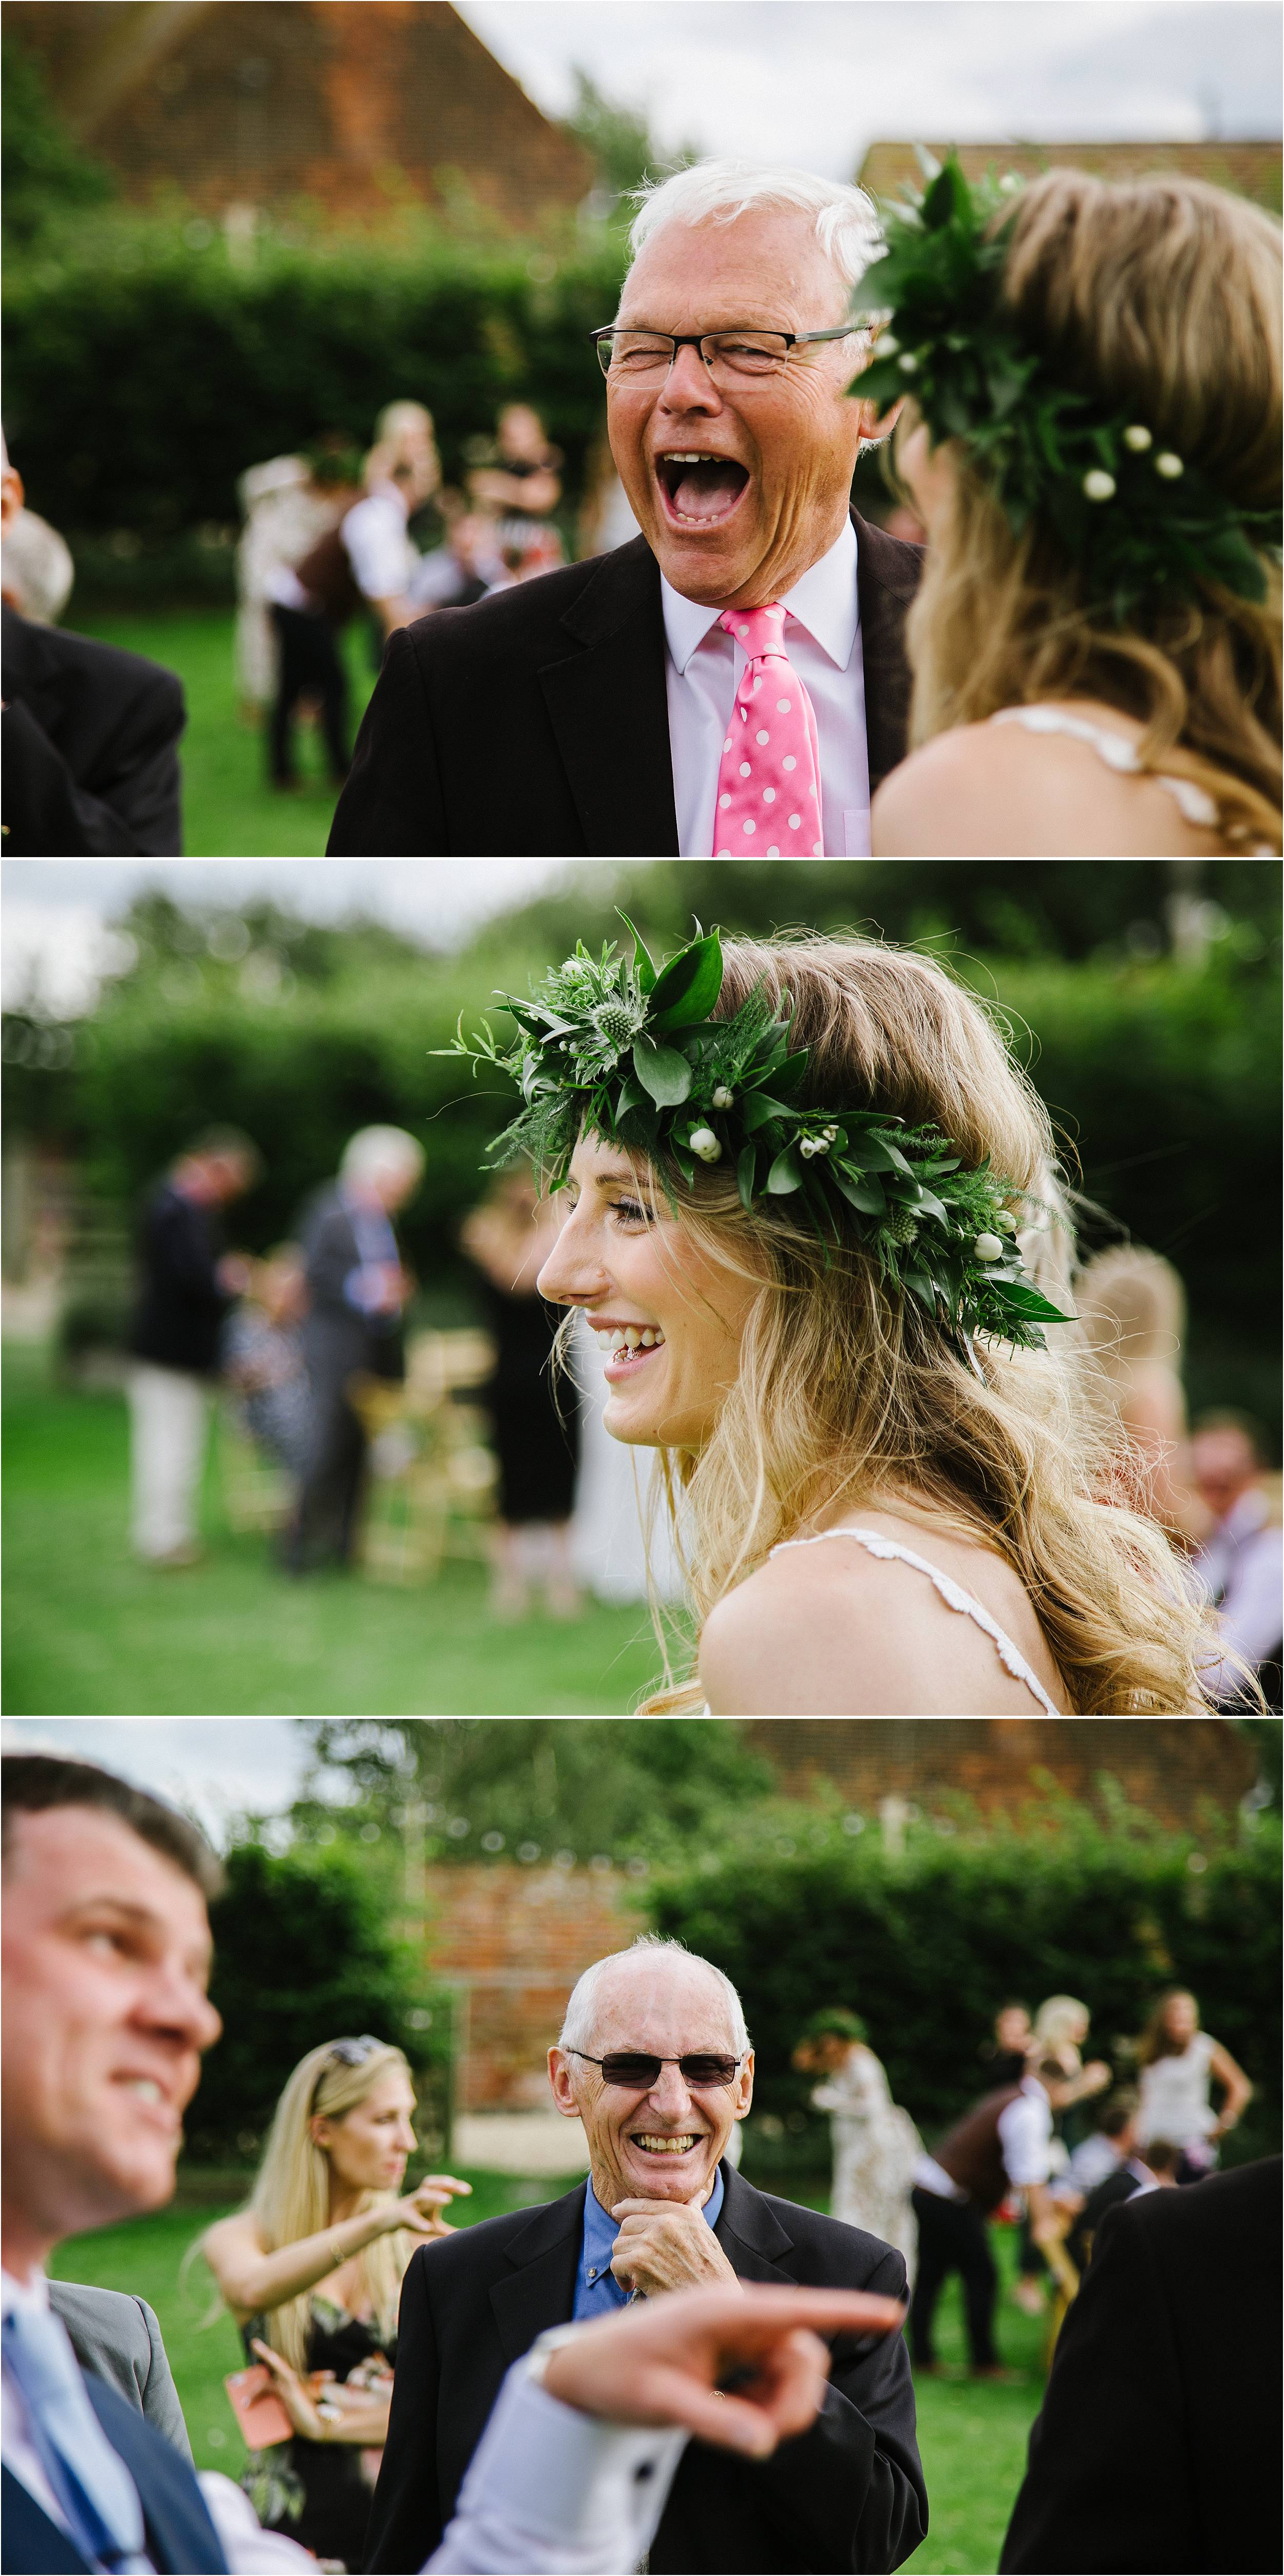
x=733 y=681
x=655 y=2060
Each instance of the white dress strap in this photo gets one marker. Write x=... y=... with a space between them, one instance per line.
x=952 y=1594
x=1117 y=753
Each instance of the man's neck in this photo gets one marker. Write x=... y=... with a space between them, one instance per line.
x=24 y=2248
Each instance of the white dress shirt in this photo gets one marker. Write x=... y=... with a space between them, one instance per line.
x=703 y=667
x=551 y=2492
x=382 y=557
x=1241 y=1564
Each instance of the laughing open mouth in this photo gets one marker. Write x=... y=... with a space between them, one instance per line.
x=700 y=491
x=658 y=2143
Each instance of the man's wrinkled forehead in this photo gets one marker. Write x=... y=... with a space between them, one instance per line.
x=654 y=2002
x=766 y=265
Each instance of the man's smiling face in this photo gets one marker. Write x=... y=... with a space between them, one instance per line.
x=770 y=490
x=665 y=2143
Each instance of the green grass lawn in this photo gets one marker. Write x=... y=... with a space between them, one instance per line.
x=91 y=1633
x=229 y=811
x=972 y=2436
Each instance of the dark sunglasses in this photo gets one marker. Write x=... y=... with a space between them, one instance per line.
x=635 y=2073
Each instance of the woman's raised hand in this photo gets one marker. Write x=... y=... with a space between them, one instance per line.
x=420 y=2211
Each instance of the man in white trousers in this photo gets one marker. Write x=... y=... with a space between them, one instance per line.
x=188 y=1284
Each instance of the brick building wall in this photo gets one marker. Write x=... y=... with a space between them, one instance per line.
x=513 y=1941
x=1168 y=1767
x=347 y=103
x=1248 y=169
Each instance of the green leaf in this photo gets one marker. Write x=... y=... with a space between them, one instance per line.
x=1020 y=1298
x=688 y=987
x=746 y=1167
x=643 y=964
x=758 y=1108
x=630 y=1097
x=664 y=1074
x=788 y=1075
x=865 y=1194
x=785 y=1174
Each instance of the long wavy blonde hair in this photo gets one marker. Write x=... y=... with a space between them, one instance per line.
x=1162 y=296
x=846 y=1392
x=291 y=2195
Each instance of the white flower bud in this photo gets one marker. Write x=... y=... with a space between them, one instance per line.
x=987 y=1247
x=807 y=1146
x=1138 y=438
x=705 y=1144
x=1005 y=1221
x=830 y=1135
x=723 y=1098
x=1099 y=485
x=887 y=345
x=1168 y=465
x=908 y=363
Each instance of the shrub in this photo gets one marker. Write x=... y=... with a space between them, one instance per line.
x=927 y=1946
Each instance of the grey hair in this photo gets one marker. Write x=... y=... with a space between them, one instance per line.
x=577 y=2025
x=846 y=224
x=381 y=1149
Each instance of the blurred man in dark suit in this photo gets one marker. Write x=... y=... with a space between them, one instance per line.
x=90 y=739
x=188 y=1284
x=119 y=2338
x=357 y=1292
x=1157 y=2449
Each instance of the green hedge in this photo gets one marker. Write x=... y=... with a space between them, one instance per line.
x=926 y=1947
x=145 y=374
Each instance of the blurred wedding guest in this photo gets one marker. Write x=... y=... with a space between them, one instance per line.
x=1061 y=2026
x=357 y=1291
x=309 y=602
x=1001 y=2145
x=1005 y=2053
x=605 y=517
x=374 y=533
x=1178 y=2061
x=1242 y=1560
x=876 y=2145
x=1132 y=1306
x=1105 y=2147
x=517 y=482
x=285 y=512
x=90 y=738
x=1157 y=2448
x=261 y=1357
x=119 y=2338
x=462 y=571
x=311 y=2271
x=534 y=1423
x=1149 y=2168
x=36 y=568
x=188 y=1282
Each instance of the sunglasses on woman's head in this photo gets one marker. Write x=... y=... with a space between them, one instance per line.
x=635 y=2073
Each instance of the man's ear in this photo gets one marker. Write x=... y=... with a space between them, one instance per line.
x=559 y=2076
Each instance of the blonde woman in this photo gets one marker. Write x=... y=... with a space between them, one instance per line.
x=311 y=2271
x=1092 y=443
x=803 y=1180
x=1133 y=1310
x=1178 y=2061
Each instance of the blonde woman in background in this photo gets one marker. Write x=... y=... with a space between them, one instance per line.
x=1178 y=2061
x=875 y=1519
x=1038 y=725
x=1133 y=1310
x=311 y=2271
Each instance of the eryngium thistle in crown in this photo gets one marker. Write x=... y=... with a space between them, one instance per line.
x=632 y=1054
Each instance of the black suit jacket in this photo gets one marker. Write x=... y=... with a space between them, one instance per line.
x=847 y=2495
x=90 y=748
x=1157 y=2448
x=179 y=2533
x=536 y=723
x=337 y=1338
x=181 y=1307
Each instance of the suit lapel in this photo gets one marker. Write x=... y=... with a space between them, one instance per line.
x=609 y=711
x=750 y=2234
x=541 y=2291
x=32 y=2540
x=887 y=576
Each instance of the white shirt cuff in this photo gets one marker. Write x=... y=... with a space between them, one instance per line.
x=552 y=2492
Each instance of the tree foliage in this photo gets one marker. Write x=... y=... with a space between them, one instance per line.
x=47 y=178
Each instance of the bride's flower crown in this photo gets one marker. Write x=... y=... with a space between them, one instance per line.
x=632 y=1054
x=1141 y=521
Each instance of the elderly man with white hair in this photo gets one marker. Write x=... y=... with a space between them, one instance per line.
x=732 y=682
x=655 y=2060
x=357 y=1291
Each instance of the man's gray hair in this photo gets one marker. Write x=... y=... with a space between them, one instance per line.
x=376 y=1150
x=577 y=2026
x=845 y=221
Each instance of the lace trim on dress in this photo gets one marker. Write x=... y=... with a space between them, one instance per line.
x=1116 y=753
x=952 y=1594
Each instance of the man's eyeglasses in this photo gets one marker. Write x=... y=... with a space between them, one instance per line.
x=634 y=2073
x=734 y=358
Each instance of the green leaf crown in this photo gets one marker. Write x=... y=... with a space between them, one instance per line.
x=1144 y=524
x=634 y=1055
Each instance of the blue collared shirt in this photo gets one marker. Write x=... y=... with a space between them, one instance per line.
x=596 y=2289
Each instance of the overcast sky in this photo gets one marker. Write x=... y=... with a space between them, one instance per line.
x=816 y=81
x=56 y=910
x=215 y=1767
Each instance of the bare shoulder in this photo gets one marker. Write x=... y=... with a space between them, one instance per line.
x=813 y=1633
x=988 y=790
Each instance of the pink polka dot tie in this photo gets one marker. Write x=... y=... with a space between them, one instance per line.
x=769 y=781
